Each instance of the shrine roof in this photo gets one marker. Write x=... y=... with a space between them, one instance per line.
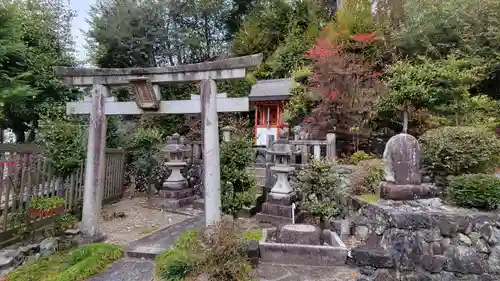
x=272 y=89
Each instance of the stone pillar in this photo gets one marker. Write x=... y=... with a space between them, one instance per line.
x=211 y=152
x=95 y=167
x=278 y=206
x=174 y=192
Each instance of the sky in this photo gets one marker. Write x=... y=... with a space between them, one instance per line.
x=80 y=25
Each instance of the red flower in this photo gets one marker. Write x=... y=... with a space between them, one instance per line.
x=378 y=74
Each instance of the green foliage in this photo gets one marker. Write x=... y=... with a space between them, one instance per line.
x=223 y=254
x=144 y=148
x=322 y=192
x=174 y=264
x=439 y=85
x=358 y=156
x=65 y=141
x=78 y=264
x=177 y=263
x=374 y=174
x=438 y=29
x=67 y=220
x=459 y=150
x=252 y=235
x=238 y=187
x=480 y=191
x=370 y=197
x=43 y=203
x=187 y=239
x=300 y=103
x=44 y=29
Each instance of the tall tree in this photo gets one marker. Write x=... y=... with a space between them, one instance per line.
x=44 y=30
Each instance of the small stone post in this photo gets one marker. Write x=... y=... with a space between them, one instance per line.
x=330 y=147
x=94 y=168
x=211 y=152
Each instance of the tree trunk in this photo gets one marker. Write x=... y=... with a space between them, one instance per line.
x=405 y=121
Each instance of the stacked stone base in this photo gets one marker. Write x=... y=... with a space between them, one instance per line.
x=393 y=191
x=171 y=199
x=425 y=240
x=279 y=211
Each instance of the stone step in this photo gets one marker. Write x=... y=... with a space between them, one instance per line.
x=127 y=269
x=152 y=245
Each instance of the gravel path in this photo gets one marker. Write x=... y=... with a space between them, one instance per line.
x=137 y=222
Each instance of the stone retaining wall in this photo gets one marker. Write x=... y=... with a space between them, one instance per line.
x=426 y=240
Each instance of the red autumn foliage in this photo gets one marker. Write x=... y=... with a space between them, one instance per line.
x=346 y=81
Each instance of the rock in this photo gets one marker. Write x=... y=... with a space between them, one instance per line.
x=464 y=240
x=436 y=248
x=384 y=275
x=482 y=247
x=411 y=220
x=402 y=160
x=434 y=263
x=361 y=233
x=443 y=276
x=6 y=261
x=48 y=246
x=430 y=235
x=494 y=260
x=72 y=231
x=372 y=256
x=490 y=233
x=299 y=234
x=367 y=271
x=474 y=237
x=463 y=260
x=445 y=243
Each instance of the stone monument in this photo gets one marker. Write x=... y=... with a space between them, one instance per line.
x=278 y=206
x=174 y=192
x=403 y=180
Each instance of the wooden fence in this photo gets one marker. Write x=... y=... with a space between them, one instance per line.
x=27 y=173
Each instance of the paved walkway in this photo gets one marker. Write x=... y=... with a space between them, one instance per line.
x=140 y=269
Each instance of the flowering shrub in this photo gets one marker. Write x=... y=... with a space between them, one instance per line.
x=345 y=76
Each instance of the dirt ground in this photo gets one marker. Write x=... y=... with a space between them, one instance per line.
x=127 y=220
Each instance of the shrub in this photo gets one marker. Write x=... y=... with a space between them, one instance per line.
x=367 y=177
x=237 y=185
x=358 y=156
x=177 y=263
x=223 y=254
x=78 y=264
x=459 y=150
x=480 y=191
x=322 y=192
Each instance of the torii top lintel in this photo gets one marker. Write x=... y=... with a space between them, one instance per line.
x=231 y=68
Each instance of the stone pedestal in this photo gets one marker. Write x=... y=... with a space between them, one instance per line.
x=408 y=191
x=278 y=211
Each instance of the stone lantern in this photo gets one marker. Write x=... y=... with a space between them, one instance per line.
x=175 y=191
x=278 y=207
x=175 y=153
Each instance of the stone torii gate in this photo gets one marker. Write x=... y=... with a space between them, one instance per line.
x=146 y=82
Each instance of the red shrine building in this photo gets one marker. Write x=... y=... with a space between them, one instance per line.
x=268 y=98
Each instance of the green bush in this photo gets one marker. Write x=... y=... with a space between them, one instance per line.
x=177 y=263
x=459 y=150
x=360 y=155
x=238 y=187
x=367 y=176
x=322 y=191
x=480 y=191
x=78 y=264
